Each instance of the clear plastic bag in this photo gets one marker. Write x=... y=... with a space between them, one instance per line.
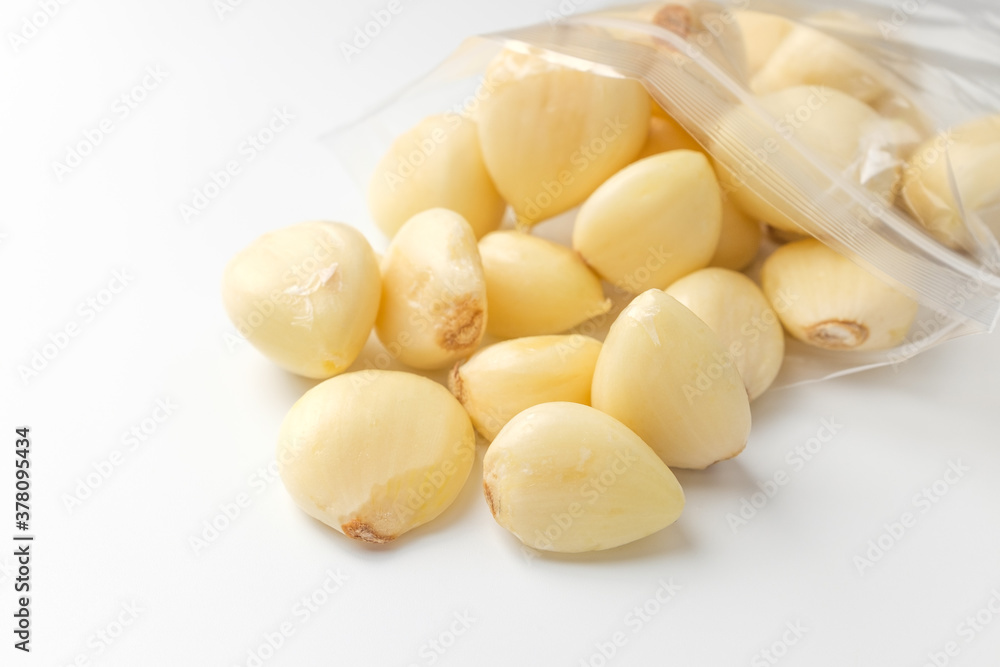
x=923 y=71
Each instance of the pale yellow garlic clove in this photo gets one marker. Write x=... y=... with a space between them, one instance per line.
x=374 y=453
x=762 y=34
x=655 y=110
x=437 y=164
x=551 y=134
x=666 y=134
x=504 y=379
x=433 y=310
x=972 y=152
x=740 y=235
x=536 y=287
x=666 y=375
x=739 y=239
x=653 y=222
x=564 y=477
x=807 y=57
x=742 y=318
x=826 y=300
x=838 y=129
x=305 y=296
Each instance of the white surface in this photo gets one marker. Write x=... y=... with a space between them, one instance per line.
x=165 y=337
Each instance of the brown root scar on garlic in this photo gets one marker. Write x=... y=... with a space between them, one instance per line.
x=837 y=334
x=462 y=324
x=361 y=530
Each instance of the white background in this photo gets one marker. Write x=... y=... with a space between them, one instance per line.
x=164 y=337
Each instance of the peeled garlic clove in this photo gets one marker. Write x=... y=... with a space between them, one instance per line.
x=550 y=134
x=536 y=287
x=973 y=153
x=666 y=134
x=437 y=164
x=305 y=296
x=564 y=477
x=807 y=57
x=845 y=133
x=433 y=308
x=655 y=110
x=740 y=236
x=826 y=300
x=502 y=380
x=666 y=375
x=652 y=222
x=740 y=315
x=374 y=454
x=762 y=34
x=739 y=240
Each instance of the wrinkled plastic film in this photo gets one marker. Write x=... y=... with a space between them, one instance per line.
x=860 y=226
x=701 y=79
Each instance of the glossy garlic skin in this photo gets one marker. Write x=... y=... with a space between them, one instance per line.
x=305 y=296
x=550 y=134
x=653 y=222
x=502 y=380
x=567 y=478
x=433 y=310
x=740 y=315
x=666 y=375
x=831 y=302
x=536 y=287
x=374 y=454
x=740 y=235
x=436 y=164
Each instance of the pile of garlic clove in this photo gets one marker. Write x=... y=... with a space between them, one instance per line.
x=580 y=432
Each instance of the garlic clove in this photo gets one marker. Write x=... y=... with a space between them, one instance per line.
x=551 y=134
x=536 y=287
x=305 y=296
x=653 y=222
x=762 y=34
x=564 y=477
x=739 y=238
x=742 y=318
x=828 y=301
x=656 y=111
x=807 y=57
x=666 y=134
x=666 y=375
x=972 y=151
x=504 y=379
x=374 y=454
x=845 y=133
x=433 y=310
x=437 y=164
